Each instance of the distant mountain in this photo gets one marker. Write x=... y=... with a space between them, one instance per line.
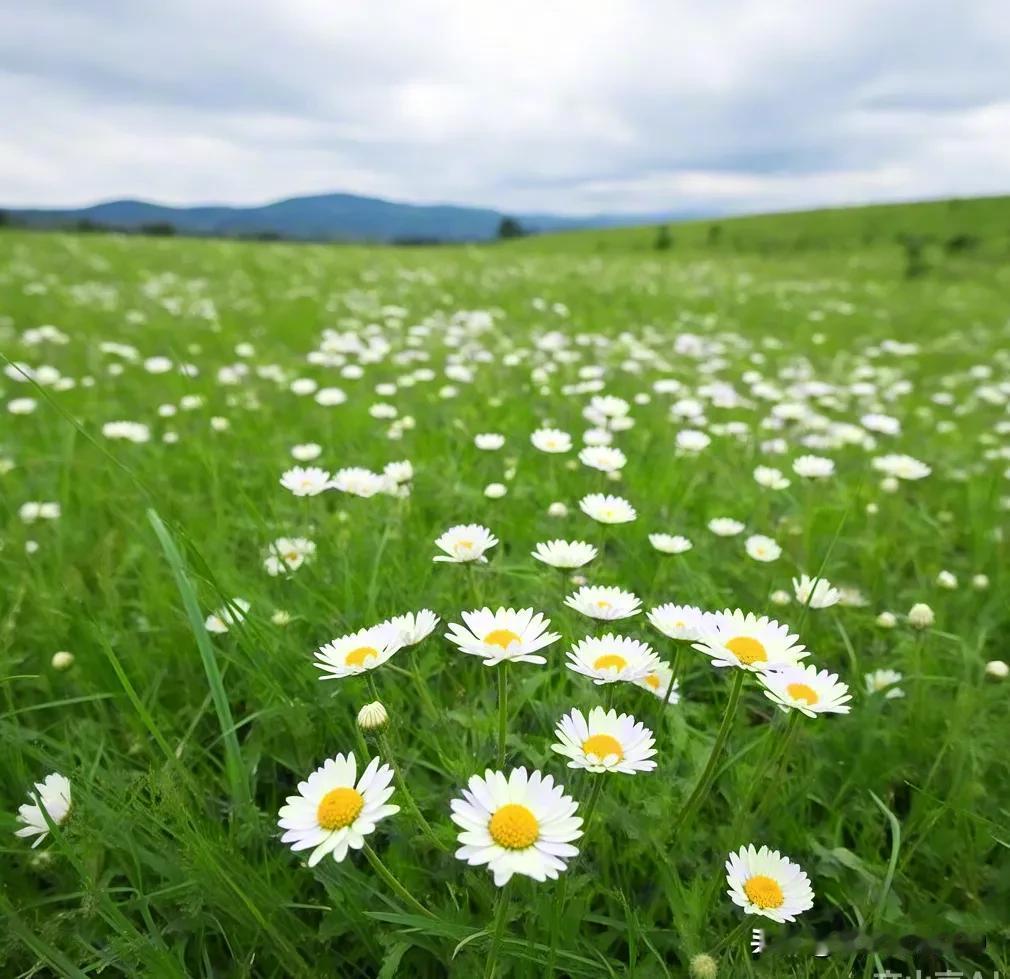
x=326 y=217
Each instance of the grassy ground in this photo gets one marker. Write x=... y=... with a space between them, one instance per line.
x=181 y=745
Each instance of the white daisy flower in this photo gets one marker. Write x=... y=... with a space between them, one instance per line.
x=901 y=467
x=332 y=813
x=288 y=554
x=605 y=742
x=670 y=543
x=221 y=620
x=358 y=652
x=747 y=641
x=604 y=602
x=658 y=683
x=603 y=457
x=819 y=595
x=609 y=658
x=761 y=548
x=880 y=681
x=766 y=883
x=814 y=467
x=678 y=621
x=54 y=798
x=725 y=527
x=770 y=478
x=358 y=481
x=465 y=542
x=305 y=481
x=489 y=441
x=806 y=689
x=507 y=634
x=551 y=440
x=412 y=627
x=564 y=554
x=523 y=824
x=607 y=509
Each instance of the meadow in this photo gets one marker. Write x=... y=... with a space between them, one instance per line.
x=775 y=400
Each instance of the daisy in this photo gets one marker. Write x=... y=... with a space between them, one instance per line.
x=605 y=742
x=814 y=467
x=678 y=621
x=551 y=440
x=358 y=482
x=523 y=824
x=807 y=689
x=901 y=466
x=819 y=595
x=762 y=548
x=53 y=800
x=669 y=543
x=465 y=542
x=770 y=478
x=332 y=813
x=725 y=527
x=564 y=554
x=880 y=680
x=305 y=481
x=607 y=603
x=358 y=652
x=766 y=883
x=505 y=635
x=489 y=441
x=603 y=457
x=658 y=683
x=748 y=642
x=609 y=658
x=288 y=554
x=607 y=509
x=412 y=627
x=228 y=615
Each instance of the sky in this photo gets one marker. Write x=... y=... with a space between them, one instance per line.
x=617 y=106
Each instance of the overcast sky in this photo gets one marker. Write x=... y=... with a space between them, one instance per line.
x=574 y=107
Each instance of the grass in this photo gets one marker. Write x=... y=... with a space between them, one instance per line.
x=181 y=745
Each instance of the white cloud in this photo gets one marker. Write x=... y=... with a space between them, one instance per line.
x=564 y=106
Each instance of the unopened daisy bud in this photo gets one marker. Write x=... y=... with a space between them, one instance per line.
x=280 y=617
x=62 y=660
x=920 y=616
x=704 y=967
x=872 y=509
x=495 y=491
x=998 y=669
x=578 y=579
x=372 y=717
x=557 y=509
x=980 y=581
x=889 y=484
x=945 y=579
x=887 y=620
x=780 y=597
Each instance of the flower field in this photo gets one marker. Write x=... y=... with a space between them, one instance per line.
x=562 y=607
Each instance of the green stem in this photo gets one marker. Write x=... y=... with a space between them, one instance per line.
x=559 y=903
x=408 y=798
x=496 y=935
x=731 y=937
x=594 y=798
x=702 y=785
x=674 y=670
x=503 y=696
x=394 y=885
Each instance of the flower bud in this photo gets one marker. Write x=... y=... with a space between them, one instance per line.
x=557 y=509
x=372 y=717
x=62 y=660
x=998 y=669
x=887 y=620
x=920 y=616
x=704 y=967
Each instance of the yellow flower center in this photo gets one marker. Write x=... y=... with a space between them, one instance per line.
x=764 y=892
x=514 y=827
x=610 y=661
x=602 y=603
x=360 y=656
x=463 y=545
x=603 y=745
x=653 y=681
x=501 y=637
x=291 y=557
x=748 y=650
x=800 y=691
x=339 y=808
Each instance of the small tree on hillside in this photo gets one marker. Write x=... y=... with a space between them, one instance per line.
x=510 y=228
x=664 y=240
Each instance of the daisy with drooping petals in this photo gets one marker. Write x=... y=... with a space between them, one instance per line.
x=658 y=684
x=551 y=440
x=357 y=481
x=54 y=800
x=564 y=554
x=670 y=543
x=523 y=824
x=465 y=542
x=678 y=621
x=605 y=458
x=332 y=813
x=880 y=681
x=609 y=658
x=358 y=652
x=807 y=690
x=815 y=592
x=305 y=480
x=220 y=620
x=605 y=742
x=604 y=602
x=412 y=627
x=748 y=642
x=766 y=883
x=605 y=508
x=505 y=635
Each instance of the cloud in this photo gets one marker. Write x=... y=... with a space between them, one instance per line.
x=572 y=107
